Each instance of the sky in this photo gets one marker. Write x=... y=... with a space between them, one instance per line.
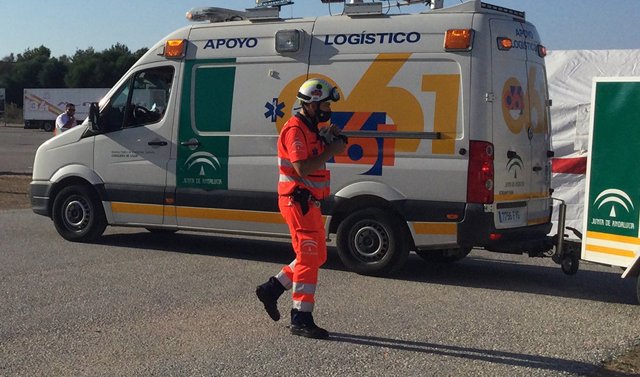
x=65 y=26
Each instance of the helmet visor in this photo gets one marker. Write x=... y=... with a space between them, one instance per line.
x=334 y=95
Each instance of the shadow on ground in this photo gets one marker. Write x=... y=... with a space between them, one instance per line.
x=475 y=271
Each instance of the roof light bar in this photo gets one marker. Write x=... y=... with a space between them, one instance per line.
x=213 y=14
x=263 y=13
x=272 y=3
x=497 y=8
x=362 y=9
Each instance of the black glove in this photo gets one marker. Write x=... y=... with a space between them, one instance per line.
x=328 y=137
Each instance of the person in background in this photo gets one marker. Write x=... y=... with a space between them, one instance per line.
x=67 y=119
x=303 y=150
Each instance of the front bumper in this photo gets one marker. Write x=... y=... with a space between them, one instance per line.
x=40 y=199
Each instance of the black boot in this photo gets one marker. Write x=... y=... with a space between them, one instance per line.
x=268 y=294
x=302 y=324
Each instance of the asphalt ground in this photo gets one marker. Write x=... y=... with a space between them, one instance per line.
x=18 y=147
x=135 y=303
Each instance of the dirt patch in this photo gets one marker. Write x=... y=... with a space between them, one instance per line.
x=14 y=191
x=625 y=365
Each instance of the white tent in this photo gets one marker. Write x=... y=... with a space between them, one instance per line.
x=570 y=74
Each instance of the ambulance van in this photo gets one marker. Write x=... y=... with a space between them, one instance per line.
x=446 y=113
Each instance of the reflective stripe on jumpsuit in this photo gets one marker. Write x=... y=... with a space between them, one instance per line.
x=309 y=244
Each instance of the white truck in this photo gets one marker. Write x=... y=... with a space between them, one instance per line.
x=447 y=114
x=42 y=106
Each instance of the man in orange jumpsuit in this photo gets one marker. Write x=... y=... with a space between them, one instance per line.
x=303 y=150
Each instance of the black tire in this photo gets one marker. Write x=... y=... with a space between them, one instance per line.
x=78 y=214
x=371 y=242
x=570 y=261
x=48 y=126
x=570 y=264
x=444 y=255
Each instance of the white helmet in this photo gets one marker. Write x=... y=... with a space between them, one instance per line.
x=317 y=90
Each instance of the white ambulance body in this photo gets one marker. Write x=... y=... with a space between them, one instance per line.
x=446 y=112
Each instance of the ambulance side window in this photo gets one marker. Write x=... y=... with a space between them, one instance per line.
x=141 y=100
x=113 y=115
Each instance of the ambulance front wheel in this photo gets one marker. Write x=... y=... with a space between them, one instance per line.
x=78 y=214
x=372 y=242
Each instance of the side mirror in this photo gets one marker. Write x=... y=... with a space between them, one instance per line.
x=95 y=121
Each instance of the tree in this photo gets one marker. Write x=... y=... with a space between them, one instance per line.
x=35 y=68
x=40 y=54
x=24 y=72
x=90 y=69
x=81 y=70
x=52 y=74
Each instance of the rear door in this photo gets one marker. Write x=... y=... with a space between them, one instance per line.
x=539 y=118
x=521 y=126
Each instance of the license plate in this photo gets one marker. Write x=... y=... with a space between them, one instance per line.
x=511 y=216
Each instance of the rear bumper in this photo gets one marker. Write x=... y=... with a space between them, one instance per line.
x=39 y=193
x=477 y=228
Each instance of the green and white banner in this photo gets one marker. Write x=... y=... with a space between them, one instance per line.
x=613 y=174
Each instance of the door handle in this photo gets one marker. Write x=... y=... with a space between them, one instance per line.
x=159 y=143
x=511 y=154
x=191 y=143
x=537 y=168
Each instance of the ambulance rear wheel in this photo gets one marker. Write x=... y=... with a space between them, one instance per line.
x=372 y=242
x=444 y=255
x=78 y=214
x=47 y=126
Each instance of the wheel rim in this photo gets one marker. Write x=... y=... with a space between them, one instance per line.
x=76 y=213
x=370 y=241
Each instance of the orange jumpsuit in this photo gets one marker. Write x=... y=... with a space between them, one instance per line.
x=298 y=142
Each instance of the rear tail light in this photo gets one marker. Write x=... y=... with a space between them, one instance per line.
x=481 y=173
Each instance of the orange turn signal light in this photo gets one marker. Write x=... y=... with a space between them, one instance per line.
x=458 y=40
x=175 y=48
x=504 y=43
x=542 y=51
